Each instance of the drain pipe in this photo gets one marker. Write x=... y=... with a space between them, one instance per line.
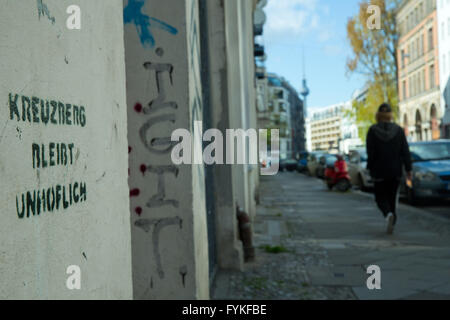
x=245 y=234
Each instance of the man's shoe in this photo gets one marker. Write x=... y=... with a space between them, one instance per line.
x=390 y=223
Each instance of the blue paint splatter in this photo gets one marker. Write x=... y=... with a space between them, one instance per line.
x=133 y=14
x=43 y=11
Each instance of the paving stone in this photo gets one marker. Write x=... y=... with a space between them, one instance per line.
x=337 y=276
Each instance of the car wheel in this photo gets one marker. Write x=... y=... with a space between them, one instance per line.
x=317 y=173
x=343 y=185
x=361 y=183
x=410 y=196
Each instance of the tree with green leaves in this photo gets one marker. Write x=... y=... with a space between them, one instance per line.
x=375 y=56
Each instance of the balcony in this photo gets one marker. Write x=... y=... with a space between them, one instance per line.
x=258 y=30
x=259 y=50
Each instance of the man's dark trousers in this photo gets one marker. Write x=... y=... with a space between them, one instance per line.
x=386 y=196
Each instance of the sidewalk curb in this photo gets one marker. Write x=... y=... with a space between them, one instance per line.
x=410 y=208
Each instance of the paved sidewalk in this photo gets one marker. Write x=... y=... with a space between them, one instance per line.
x=330 y=239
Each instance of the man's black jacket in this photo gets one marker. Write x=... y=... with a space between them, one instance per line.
x=387 y=151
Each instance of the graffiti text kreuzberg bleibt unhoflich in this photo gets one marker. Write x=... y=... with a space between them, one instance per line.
x=37 y=111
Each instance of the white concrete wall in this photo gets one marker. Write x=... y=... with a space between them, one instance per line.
x=240 y=90
x=169 y=234
x=249 y=91
x=41 y=60
x=229 y=248
x=236 y=93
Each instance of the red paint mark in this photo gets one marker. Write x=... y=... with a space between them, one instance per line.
x=129 y=149
x=138 y=211
x=138 y=108
x=143 y=169
x=134 y=192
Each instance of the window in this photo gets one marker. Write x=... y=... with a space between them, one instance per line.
x=448 y=26
x=404 y=90
x=417 y=48
x=410 y=58
x=432 y=80
x=449 y=61
x=429 y=6
x=416 y=77
x=409 y=87
x=421 y=45
x=444 y=59
x=419 y=76
x=443 y=31
x=423 y=77
x=430 y=39
x=423 y=41
x=403 y=58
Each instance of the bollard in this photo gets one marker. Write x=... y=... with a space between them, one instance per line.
x=245 y=234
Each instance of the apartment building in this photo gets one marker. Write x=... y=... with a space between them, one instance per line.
x=297 y=120
x=326 y=127
x=418 y=57
x=279 y=110
x=331 y=128
x=443 y=16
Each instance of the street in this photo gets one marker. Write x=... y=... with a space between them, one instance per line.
x=316 y=244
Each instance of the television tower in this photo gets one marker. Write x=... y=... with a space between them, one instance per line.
x=305 y=90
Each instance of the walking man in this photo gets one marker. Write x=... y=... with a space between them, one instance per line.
x=388 y=153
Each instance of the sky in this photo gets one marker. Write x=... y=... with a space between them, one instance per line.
x=318 y=26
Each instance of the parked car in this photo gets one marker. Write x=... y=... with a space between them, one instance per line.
x=290 y=165
x=282 y=165
x=303 y=162
x=431 y=172
x=357 y=169
x=313 y=162
x=325 y=161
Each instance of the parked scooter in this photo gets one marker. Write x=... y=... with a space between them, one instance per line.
x=337 y=175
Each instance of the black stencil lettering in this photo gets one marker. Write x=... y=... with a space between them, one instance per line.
x=13 y=109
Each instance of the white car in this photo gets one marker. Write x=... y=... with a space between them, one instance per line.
x=357 y=164
x=313 y=162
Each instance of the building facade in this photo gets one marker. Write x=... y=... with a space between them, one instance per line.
x=262 y=98
x=279 y=113
x=297 y=120
x=137 y=225
x=418 y=76
x=333 y=129
x=443 y=16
